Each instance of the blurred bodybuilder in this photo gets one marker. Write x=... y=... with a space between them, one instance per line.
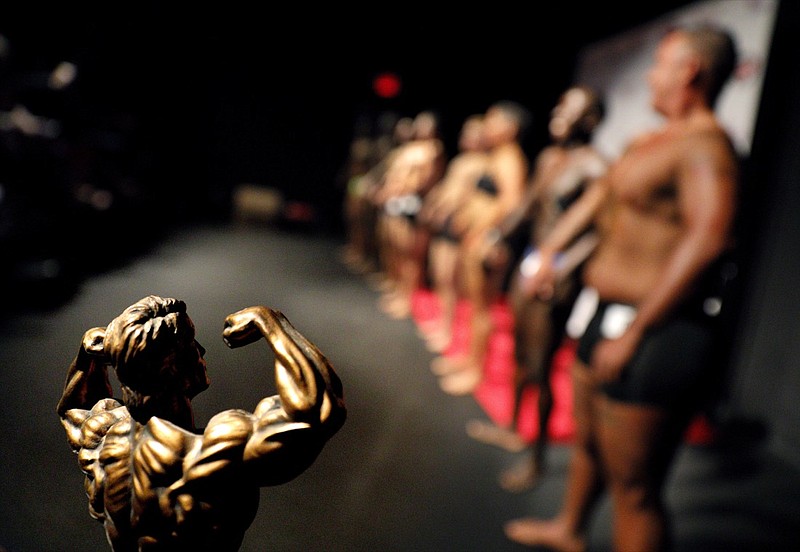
x=647 y=359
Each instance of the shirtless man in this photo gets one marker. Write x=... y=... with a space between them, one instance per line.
x=499 y=190
x=410 y=174
x=646 y=361
x=438 y=213
x=562 y=172
x=152 y=479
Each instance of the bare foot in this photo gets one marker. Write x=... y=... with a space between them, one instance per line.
x=491 y=434
x=435 y=333
x=395 y=305
x=379 y=282
x=387 y=298
x=551 y=534
x=427 y=327
x=461 y=383
x=444 y=365
x=354 y=261
x=521 y=476
x=438 y=341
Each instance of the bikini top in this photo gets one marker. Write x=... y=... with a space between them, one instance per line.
x=486 y=184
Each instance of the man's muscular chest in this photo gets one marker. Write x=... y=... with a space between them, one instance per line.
x=644 y=178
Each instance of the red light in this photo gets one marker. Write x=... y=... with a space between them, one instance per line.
x=386 y=85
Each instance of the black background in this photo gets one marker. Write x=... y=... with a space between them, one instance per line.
x=207 y=98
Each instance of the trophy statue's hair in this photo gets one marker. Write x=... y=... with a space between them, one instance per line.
x=142 y=342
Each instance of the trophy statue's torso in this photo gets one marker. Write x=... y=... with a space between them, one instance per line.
x=149 y=505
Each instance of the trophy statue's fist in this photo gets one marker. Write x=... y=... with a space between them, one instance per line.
x=245 y=326
x=93 y=340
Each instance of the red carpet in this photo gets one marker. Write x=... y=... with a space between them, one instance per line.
x=495 y=394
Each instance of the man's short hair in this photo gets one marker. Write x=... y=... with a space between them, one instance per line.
x=717 y=48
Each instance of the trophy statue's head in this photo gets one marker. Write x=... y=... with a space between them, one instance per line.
x=157 y=360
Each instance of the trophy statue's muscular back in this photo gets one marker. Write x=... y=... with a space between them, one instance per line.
x=154 y=481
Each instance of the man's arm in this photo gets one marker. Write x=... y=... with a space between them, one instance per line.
x=523 y=211
x=495 y=250
x=511 y=179
x=707 y=180
x=571 y=224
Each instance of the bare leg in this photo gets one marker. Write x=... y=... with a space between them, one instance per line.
x=406 y=270
x=528 y=340
x=387 y=260
x=464 y=373
x=483 y=287
x=356 y=251
x=537 y=337
x=638 y=444
x=443 y=263
x=565 y=532
x=465 y=380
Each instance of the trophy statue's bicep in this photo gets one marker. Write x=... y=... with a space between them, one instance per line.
x=280 y=448
x=220 y=450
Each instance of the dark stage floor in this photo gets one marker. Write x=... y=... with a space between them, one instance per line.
x=401 y=475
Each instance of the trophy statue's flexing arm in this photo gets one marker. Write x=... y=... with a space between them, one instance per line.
x=286 y=432
x=152 y=478
x=86 y=384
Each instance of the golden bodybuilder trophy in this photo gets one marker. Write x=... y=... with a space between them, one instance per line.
x=153 y=479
